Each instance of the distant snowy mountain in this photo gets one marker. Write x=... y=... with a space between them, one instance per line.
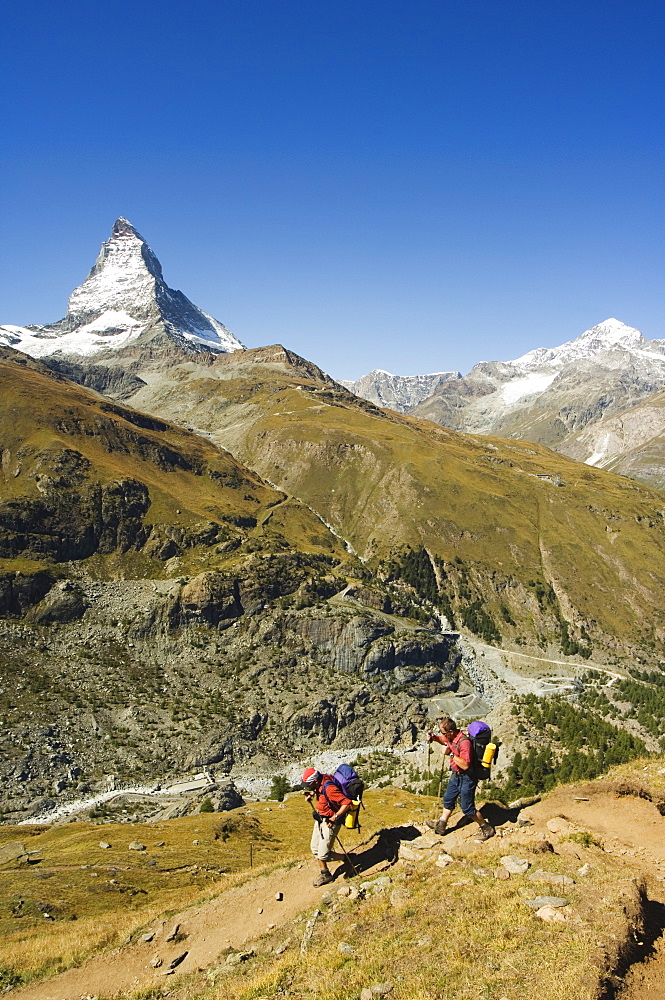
x=397 y=392
x=550 y=393
x=607 y=336
x=124 y=307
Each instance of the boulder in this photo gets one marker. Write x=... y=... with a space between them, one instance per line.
x=551 y=915
x=65 y=602
x=539 y=901
x=13 y=851
x=229 y=798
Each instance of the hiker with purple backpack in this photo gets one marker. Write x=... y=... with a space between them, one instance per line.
x=458 y=746
x=333 y=798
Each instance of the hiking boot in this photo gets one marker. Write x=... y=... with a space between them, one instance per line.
x=486 y=831
x=323 y=879
x=437 y=825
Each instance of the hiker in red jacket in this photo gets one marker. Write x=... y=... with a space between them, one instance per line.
x=330 y=807
x=462 y=782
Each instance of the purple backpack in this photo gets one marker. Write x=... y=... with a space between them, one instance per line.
x=349 y=782
x=480 y=735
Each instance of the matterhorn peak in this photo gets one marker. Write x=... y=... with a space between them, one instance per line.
x=123 y=227
x=125 y=302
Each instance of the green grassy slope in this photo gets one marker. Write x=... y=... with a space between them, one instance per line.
x=82 y=476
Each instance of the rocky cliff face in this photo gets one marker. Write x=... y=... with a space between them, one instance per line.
x=631 y=443
x=116 y=695
x=124 y=312
x=398 y=392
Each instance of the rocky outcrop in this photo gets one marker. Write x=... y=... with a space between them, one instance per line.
x=65 y=602
x=116 y=382
x=74 y=524
x=21 y=591
x=420 y=662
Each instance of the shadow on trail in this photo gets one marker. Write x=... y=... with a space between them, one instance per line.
x=383 y=850
x=497 y=814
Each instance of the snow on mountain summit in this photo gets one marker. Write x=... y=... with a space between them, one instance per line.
x=124 y=298
x=609 y=335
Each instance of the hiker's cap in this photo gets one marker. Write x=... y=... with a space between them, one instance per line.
x=311 y=776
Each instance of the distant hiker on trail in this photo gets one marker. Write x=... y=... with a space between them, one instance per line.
x=462 y=782
x=330 y=806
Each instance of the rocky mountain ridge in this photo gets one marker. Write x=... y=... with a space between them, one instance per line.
x=550 y=395
x=398 y=392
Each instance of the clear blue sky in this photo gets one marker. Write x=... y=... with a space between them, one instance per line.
x=413 y=186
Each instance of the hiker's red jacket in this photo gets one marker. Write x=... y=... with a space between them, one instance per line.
x=329 y=799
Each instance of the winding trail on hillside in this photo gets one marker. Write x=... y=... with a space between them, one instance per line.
x=587 y=665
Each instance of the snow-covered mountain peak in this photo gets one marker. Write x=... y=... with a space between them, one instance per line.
x=124 y=278
x=123 y=227
x=124 y=297
x=609 y=335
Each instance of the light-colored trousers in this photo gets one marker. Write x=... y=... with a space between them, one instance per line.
x=323 y=838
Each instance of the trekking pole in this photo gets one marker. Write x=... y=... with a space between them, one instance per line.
x=347 y=855
x=443 y=764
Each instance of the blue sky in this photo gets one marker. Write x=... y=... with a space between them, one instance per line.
x=411 y=186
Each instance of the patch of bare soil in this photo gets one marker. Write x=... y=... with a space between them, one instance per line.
x=633 y=828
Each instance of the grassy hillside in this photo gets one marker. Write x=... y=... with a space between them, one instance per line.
x=552 y=551
x=83 y=476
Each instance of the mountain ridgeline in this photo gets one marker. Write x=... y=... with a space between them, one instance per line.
x=596 y=398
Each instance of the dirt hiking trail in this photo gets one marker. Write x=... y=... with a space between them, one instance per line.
x=629 y=827
x=632 y=829
x=229 y=921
